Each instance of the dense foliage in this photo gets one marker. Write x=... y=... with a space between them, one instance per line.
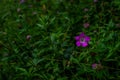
x=38 y=40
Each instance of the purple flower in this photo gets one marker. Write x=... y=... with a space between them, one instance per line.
x=82 y=40
x=86 y=25
x=97 y=66
x=22 y=1
x=94 y=66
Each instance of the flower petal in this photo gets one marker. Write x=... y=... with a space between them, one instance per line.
x=77 y=38
x=78 y=43
x=87 y=38
x=84 y=44
x=82 y=34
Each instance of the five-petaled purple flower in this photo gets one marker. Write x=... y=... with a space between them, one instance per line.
x=82 y=40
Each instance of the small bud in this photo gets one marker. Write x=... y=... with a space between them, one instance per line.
x=118 y=25
x=28 y=37
x=30 y=6
x=34 y=13
x=97 y=66
x=18 y=9
x=94 y=66
x=86 y=25
x=86 y=9
x=22 y=1
x=95 y=1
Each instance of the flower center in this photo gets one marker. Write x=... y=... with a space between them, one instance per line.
x=82 y=39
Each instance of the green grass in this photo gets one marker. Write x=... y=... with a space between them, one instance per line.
x=50 y=53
